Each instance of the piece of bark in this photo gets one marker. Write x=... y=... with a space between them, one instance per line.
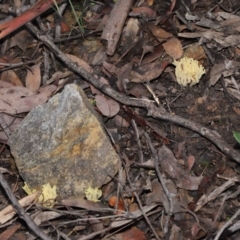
x=113 y=29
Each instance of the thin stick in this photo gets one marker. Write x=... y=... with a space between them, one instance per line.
x=141 y=208
x=163 y=182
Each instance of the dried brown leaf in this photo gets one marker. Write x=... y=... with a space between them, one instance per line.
x=196 y=52
x=21 y=39
x=173 y=48
x=7 y=234
x=148 y=72
x=146 y=11
x=19 y=99
x=33 y=79
x=107 y=106
x=10 y=76
x=46 y=216
x=82 y=203
x=4 y=84
x=120 y=121
x=190 y=161
x=80 y=62
x=131 y=234
x=95 y=224
x=159 y=32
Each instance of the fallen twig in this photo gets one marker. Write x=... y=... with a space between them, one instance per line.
x=115 y=24
x=163 y=183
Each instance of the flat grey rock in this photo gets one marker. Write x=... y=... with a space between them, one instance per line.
x=63 y=143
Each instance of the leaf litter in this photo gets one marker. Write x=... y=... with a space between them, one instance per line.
x=171 y=180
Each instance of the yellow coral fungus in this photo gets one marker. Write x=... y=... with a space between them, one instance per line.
x=188 y=71
x=93 y=194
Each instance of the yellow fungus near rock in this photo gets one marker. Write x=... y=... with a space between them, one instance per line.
x=188 y=71
x=93 y=194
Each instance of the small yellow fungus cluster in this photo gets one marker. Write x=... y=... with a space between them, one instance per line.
x=47 y=196
x=188 y=71
x=93 y=194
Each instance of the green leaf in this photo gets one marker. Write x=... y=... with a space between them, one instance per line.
x=237 y=136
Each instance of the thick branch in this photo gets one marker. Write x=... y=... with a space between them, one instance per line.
x=152 y=109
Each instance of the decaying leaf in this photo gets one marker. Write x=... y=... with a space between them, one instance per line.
x=183 y=178
x=120 y=205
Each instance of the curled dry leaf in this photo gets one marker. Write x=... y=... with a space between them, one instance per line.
x=173 y=48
